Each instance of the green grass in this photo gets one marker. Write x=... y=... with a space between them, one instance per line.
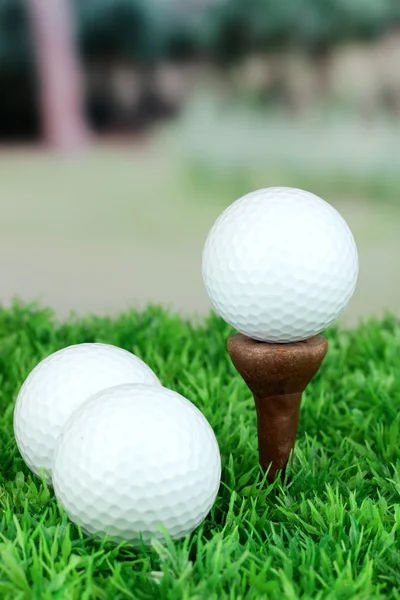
x=375 y=187
x=331 y=532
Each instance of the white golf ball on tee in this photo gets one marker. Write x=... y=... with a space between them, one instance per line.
x=135 y=457
x=58 y=385
x=280 y=265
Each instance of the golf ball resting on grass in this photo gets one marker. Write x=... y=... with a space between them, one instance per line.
x=58 y=385
x=135 y=457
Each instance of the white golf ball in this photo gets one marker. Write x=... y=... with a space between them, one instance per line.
x=280 y=265
x=135 y=457
x=61 y=383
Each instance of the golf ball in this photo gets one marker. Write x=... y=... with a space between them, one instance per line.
x=135 y=457
x=58 y=385
x=280 y=265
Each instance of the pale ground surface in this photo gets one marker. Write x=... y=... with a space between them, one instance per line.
x=120 y=228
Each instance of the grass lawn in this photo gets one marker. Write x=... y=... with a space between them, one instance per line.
x=331 y=533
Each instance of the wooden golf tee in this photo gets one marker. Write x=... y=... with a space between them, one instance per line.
x=277 y=375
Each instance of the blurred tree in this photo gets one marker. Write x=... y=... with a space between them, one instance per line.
x=311 y=28
x=316 y=28
x=18 y=108
x=185 y=29
x=182 y=41
x=118 y=29
x=122 y=43
x=233 y=29
x=60 y=88
x=236 y=28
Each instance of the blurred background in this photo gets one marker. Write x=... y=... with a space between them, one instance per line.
x=126 y=126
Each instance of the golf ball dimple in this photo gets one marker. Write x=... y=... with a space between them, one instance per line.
x=280 y=265
x=135 y=457
x=61 y=383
